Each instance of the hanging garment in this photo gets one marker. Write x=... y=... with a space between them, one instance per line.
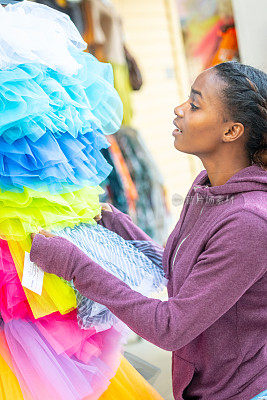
x=152 y=214
x=121 y=167
x=107 y=30
x=124 y=89
x=228 y=48
x=208 y=45
x=94 y=45
x=113 y=186
x=105 y=39
x=134 y=71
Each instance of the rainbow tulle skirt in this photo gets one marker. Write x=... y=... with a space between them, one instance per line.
x=57 y=104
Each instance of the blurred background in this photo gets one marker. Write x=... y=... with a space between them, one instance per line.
x=157 y=48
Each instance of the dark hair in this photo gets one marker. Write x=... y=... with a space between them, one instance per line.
x=246 y=99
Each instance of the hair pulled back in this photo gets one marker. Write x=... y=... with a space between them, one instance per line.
x=245 y=97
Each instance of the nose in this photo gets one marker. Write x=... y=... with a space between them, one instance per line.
x=179 y=111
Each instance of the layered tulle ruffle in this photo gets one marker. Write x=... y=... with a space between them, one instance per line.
x=48 y=367
x=126 y=384
x=36 y=33
x=34 y=99
x=53 y=165
x=9 y=385
x=24 y=213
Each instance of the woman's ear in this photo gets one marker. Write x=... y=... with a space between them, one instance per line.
x=233 y=133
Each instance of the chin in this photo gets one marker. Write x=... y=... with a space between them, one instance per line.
x=181 y=147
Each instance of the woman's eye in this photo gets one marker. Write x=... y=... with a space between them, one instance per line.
x=193 y=107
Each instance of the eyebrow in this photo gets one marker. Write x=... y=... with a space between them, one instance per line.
x=196 y=92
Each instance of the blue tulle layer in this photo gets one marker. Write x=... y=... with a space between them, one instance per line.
x=54 y=165
x=35 y=98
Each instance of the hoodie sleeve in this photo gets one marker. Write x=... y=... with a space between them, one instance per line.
x=230 y=264
x=123 y=225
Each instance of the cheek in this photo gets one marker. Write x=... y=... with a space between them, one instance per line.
x=200 y=134
x=198 y=123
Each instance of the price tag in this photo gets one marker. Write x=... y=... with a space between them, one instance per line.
x=33 y=276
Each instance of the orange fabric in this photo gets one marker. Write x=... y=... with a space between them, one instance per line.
x=97 y=49
x=228 y=47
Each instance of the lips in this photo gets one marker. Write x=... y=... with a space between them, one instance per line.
x=176 y=125
x=178 y=130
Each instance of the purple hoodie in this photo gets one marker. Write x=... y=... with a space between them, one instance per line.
x=216 y=318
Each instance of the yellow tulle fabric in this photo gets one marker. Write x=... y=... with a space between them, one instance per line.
x=23 y=213
x=129 y=384
x=9 y=385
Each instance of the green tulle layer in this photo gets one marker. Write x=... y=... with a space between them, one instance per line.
x=24 y=213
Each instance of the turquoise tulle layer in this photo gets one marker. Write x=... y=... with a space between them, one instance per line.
x=35 y=98
x=54 y=165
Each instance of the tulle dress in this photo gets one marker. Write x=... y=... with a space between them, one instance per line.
x=57 y=103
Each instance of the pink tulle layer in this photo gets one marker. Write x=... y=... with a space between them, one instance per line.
x=13 y=301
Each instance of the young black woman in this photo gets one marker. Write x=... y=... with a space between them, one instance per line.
x=215 y=260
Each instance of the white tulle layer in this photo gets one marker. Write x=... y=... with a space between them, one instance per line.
x=26 y=36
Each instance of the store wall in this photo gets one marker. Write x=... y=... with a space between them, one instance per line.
x=153 y=36
x=251 y=24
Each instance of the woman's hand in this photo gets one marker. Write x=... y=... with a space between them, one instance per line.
x=52 y=254
x=42 y=232
x=104 y=207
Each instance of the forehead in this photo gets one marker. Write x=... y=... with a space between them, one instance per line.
x=210 y=85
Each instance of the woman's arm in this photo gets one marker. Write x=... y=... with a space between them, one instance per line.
x=122 y=224
x=222 y=274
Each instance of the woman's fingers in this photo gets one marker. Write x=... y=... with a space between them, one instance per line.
x=33 y=236
x=46 y=233
x=98 y=217
x=104 y=207
x=42 y=232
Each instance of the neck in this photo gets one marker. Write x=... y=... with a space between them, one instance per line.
x=221 y=170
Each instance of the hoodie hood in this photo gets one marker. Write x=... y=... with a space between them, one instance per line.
x=249 y=179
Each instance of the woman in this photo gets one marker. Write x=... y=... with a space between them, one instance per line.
x=215 y=319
